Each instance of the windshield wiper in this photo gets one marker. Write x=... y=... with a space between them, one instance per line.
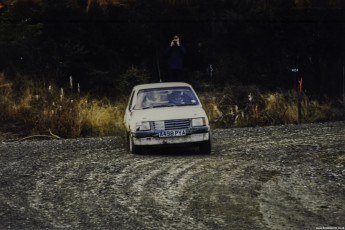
x=159 y=106
x=185 y=104
x=171 y=105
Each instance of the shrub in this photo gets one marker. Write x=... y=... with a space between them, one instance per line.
x=132 y=77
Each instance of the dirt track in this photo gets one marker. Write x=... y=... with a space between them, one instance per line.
x=266 y=177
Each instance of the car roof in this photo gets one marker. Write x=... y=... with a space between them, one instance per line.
x=160 y=85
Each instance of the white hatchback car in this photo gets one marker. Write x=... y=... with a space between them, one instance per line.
x=164 y=114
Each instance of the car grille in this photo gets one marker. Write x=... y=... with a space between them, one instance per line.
x=177 y=124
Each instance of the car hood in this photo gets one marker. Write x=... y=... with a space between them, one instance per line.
x=168 y=113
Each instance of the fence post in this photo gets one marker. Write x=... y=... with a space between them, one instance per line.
x=344 y=85
x=299 y=105
x=299 y=90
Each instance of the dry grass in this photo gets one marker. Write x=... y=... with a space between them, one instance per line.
x=249 y=107
x=31 y=109
x=36 y=109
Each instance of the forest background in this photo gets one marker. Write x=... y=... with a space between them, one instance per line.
x=67 y=66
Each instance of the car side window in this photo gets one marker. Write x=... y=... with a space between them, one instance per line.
x=131 y=101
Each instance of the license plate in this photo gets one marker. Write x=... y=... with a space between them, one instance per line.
x=173 y=133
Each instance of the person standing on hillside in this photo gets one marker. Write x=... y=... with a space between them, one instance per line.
x=175 y=54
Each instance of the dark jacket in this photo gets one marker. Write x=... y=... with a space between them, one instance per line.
x=175 y=56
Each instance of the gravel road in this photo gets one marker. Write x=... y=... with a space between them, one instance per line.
x=281 y=177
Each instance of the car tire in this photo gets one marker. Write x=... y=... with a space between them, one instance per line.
x=126 y=140
x=134 y=149
x=205 y=147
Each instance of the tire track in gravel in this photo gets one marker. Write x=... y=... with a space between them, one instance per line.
x=158 y=184
x=262 y=177
x=66 y=192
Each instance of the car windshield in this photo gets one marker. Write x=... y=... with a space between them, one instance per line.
x=165 y=97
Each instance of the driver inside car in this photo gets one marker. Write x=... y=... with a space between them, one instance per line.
x=177 y=98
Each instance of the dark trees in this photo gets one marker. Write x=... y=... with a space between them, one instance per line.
x=247 y=42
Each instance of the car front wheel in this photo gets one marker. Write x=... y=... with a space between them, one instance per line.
x=134 y=149
x=205 y=147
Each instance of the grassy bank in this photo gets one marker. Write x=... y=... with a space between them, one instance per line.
x=30 y=108
x=248 y=106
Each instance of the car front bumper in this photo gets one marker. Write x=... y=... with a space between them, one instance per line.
x=194 y=135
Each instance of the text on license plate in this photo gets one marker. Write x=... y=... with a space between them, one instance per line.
x=173 y=133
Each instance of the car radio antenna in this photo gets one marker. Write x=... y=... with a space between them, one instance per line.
x=158 y=67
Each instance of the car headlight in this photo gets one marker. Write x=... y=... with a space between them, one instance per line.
x=144 y=126
x=199 y=121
